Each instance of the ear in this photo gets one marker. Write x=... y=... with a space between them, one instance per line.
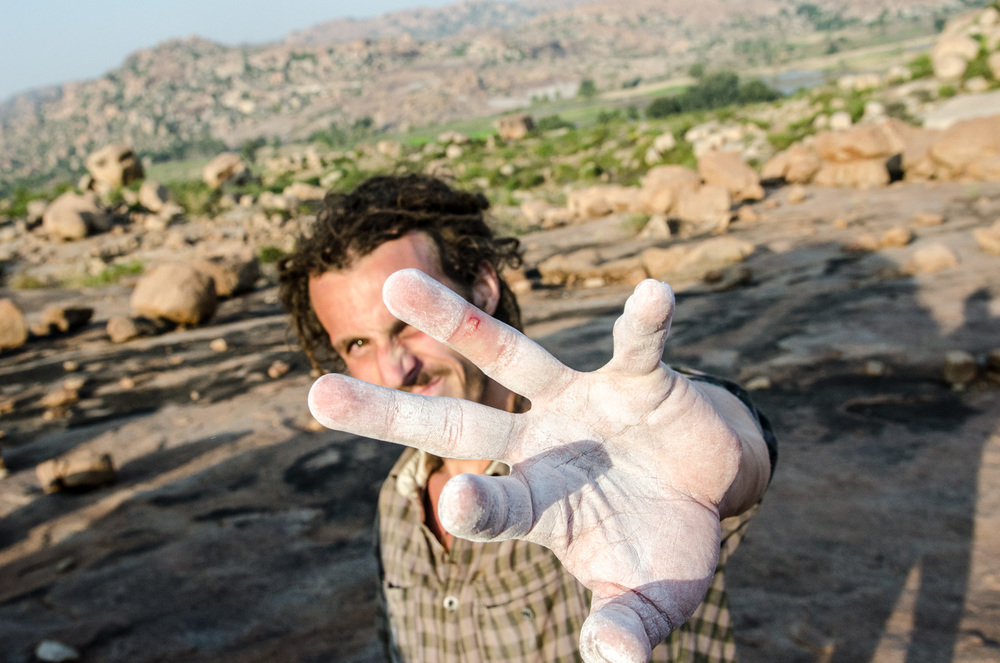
x=486 y=289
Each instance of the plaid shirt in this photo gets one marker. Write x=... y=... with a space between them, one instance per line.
x=509 y=600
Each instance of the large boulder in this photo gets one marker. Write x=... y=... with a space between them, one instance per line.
x=662 y=186
x=515 y=127
x=226 y=167
x=113 y=166
x=728 y=170
x=232 y=274
x=601 y=200
x=707 y=209
x=860 y=174
x=860 y=143
x=179 y=292
x=965 y=144
x=796 y=165
x=13 y=325
x=74 y=216
x=153 y=196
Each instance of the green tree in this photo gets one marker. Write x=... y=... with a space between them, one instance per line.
x=587 y=89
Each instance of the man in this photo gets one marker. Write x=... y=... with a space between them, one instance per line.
x=536 y=495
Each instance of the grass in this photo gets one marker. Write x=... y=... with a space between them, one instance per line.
x=113 y=274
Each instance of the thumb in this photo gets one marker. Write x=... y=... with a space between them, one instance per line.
x=483 y=508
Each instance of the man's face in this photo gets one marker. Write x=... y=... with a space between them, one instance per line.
x=382 y=350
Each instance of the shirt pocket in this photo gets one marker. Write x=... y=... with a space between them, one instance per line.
x=534 y=614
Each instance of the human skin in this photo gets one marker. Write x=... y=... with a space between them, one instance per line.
x=624 y=472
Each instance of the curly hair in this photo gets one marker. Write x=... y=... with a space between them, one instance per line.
x=381 y=209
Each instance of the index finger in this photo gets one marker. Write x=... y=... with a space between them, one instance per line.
x=502 y=352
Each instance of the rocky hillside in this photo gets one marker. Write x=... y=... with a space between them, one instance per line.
x=419 y=67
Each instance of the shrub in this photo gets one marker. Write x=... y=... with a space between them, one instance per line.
x=921 y=66
x=553 y=122
x=269 y=254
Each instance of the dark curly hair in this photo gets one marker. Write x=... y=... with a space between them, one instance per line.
x=381 y=209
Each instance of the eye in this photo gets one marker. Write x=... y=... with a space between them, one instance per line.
x=355 y=345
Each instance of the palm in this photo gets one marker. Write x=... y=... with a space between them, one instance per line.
x=619 y=471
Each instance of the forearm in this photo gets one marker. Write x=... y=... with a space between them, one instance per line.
x=755 y=466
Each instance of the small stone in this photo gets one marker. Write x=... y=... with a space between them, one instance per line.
x=78 y=472
x=758 y=383
x=993 y=360
x=194 y=396
x=314 y=426
x=60 y=398
x=988 y=238
x=746 y=214
x=927 y=219
x=219 y=345
x=864 y=243
x=53 y=651
x=593 y=282
x=897 y=236
x=278 y=369
x=932 y=258
x=960 y=367
x=75 y=383
x=874 y=368
x=71 y=366
x=126 y=383
x=796 y=194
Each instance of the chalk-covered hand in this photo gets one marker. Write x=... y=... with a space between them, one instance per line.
x=619 y=472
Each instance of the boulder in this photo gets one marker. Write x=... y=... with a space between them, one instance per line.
x=73 y=216
x=305 y=192
x=179 y=292
x=83 y=471
x=965 y=143
x=153 y=196
x=113 y=166
x=226 y=167
x=863 y=142
x=932 y=258
x=66 y=318
x=860 y=174
x=567 y=267
x=13 y=325
x=661 y=187
x=233 y=275
x=601 y=200
x=951 y=54
x=727 y=170
x=122 y=329
x=708 y=208
x=988 y=238
x=796 y=165
x=515 y=127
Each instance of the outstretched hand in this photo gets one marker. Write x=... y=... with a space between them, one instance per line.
x=620 y=472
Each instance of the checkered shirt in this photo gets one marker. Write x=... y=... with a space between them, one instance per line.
x=508 y=601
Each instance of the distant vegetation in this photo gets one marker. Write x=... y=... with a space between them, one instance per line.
x=713 y=91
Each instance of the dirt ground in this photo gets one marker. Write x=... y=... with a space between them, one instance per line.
x=235 y=533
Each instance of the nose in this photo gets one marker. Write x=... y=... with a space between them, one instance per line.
x=398 y=367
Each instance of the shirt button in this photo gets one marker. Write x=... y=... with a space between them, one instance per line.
x=450 y=603
x=528 y=614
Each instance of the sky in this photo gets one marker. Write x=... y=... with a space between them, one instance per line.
x=46 y=42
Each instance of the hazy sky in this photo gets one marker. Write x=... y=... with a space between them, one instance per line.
x=56 y=41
